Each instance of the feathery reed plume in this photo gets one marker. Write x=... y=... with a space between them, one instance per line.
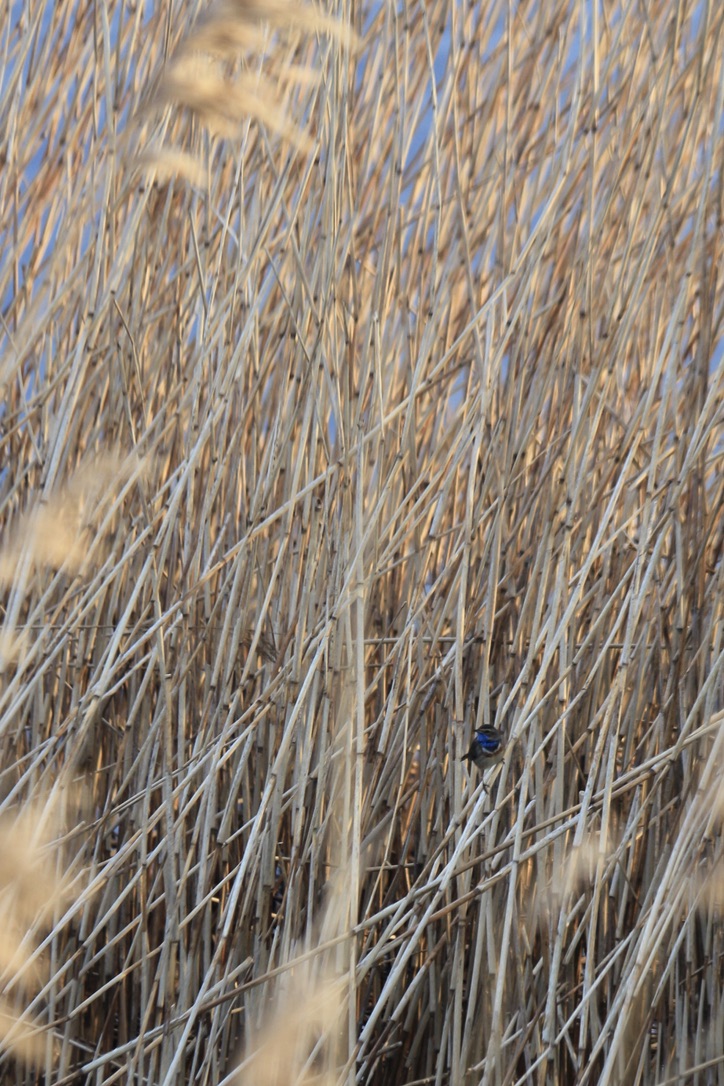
x=297 y=1039
x=300 y=1034
x=68 y=531
x=61 y=531
x=205 y=77
x=31 y=891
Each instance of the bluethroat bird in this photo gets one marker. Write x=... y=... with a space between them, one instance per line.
x=487 y=747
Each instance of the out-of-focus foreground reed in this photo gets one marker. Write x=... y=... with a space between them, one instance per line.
x=362 y=381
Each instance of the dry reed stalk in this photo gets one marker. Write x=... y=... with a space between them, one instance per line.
x=430 y=414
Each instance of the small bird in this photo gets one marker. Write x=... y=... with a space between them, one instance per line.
x=487 y=748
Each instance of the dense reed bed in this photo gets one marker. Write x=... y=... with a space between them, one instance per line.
x=362 y=382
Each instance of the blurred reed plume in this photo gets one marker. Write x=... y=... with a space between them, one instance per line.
x=32 y=890
x=386 y=405
x=63 y=530
x=216 y=73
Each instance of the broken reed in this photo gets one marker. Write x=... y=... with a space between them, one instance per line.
x=396 y=410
